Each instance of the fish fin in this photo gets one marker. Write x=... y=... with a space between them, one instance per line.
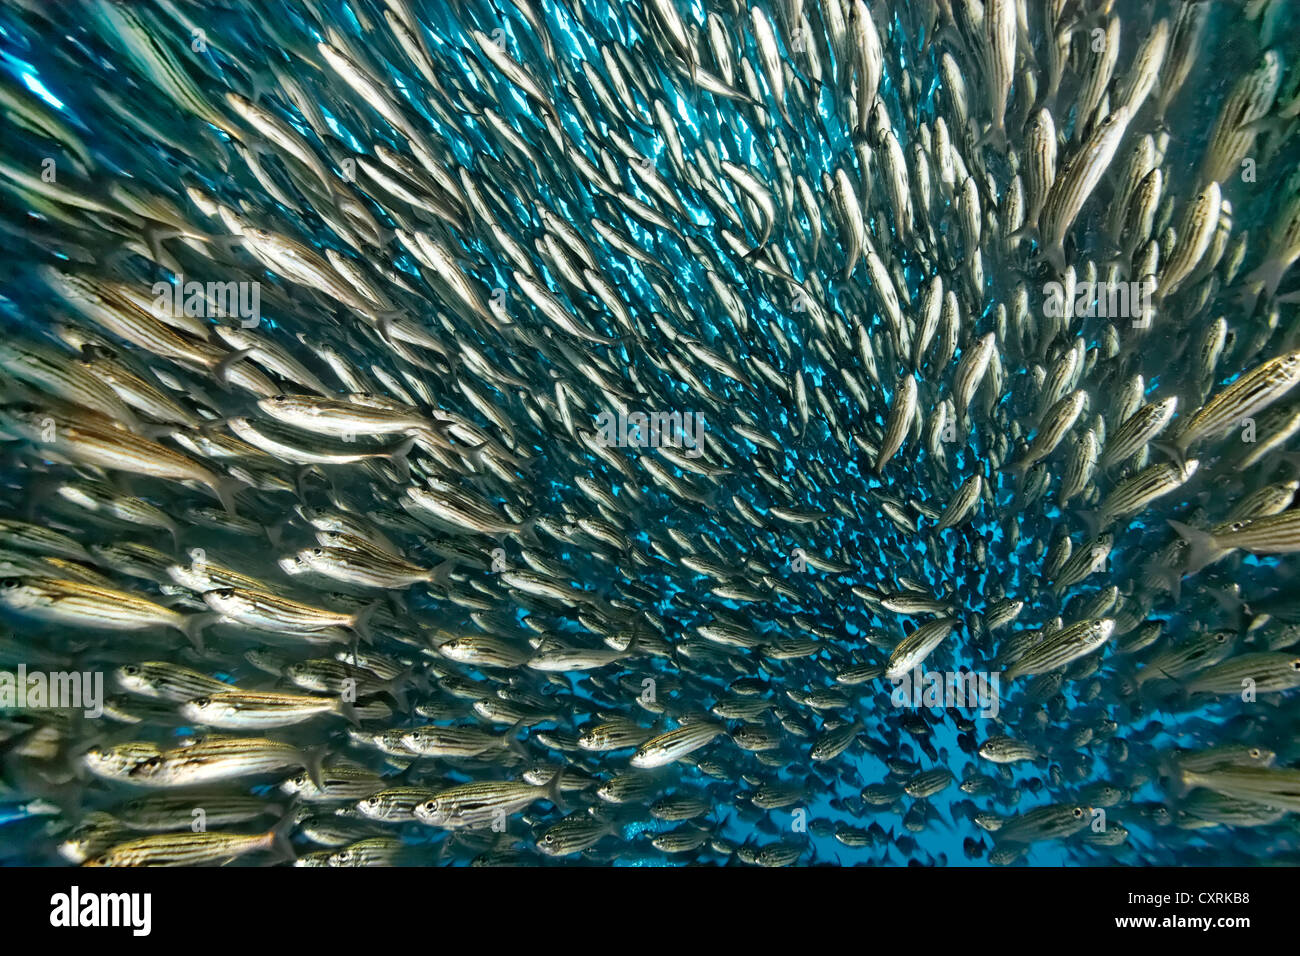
x=398 y=458
x=995 y=136
x=1171 y=450
x=348 y=711
x=225 y=489
x=1053 y=254
x=634 y=642
x=153 y=432
x=300 y=478
x=1171 y=578
x=513 y=742
x=361 y=622
x=194 y=625
x=1200 y=546
x=281 y=832
x=396 y=690
x=69 y=797
x=153 y=235
x=398 y=604
x=1168 y=766
x=435 y=435
x=440 y=574
x=528 y=533
x=404 y=777
x=384 y=323
x=1265 y=279
x=43 y=491
x=1272 y=124
x=1027 y=231
x=1116 y=256
x=1232 y=602
x=1017 y=468
x=555 y=791
x=312 y=759
x=1164 y=698
x=1091 y=522
x=222 y=370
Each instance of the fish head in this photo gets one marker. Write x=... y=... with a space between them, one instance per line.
x=134 y=678
x=204 y=709
x=19 y=593
x=432 y=812
x=224 y=600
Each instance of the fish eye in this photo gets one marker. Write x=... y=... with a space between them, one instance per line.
x=201 y=701
x=10 y=583
x=1254 y=752
x=130 y=670
x=317 y=551
x=1078 y=812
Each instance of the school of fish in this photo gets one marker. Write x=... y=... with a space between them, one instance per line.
x=547 y=431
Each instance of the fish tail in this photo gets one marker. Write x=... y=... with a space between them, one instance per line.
x=348 y=711
x=221 y=371
x=194 y=625
x=555 y=791
x=225 y=488
x=360 y=624
x=278 y=837
x=398 y=456
x=1200 y=546
x=312 y=759
x=396 y=689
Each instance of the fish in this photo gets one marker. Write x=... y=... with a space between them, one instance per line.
x=1062 y=647
x=193 y=849
x=673 y=745
x=530 y=434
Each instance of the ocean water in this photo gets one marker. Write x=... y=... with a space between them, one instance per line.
x=394 y=182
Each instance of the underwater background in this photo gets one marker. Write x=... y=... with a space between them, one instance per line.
x=609 y=404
